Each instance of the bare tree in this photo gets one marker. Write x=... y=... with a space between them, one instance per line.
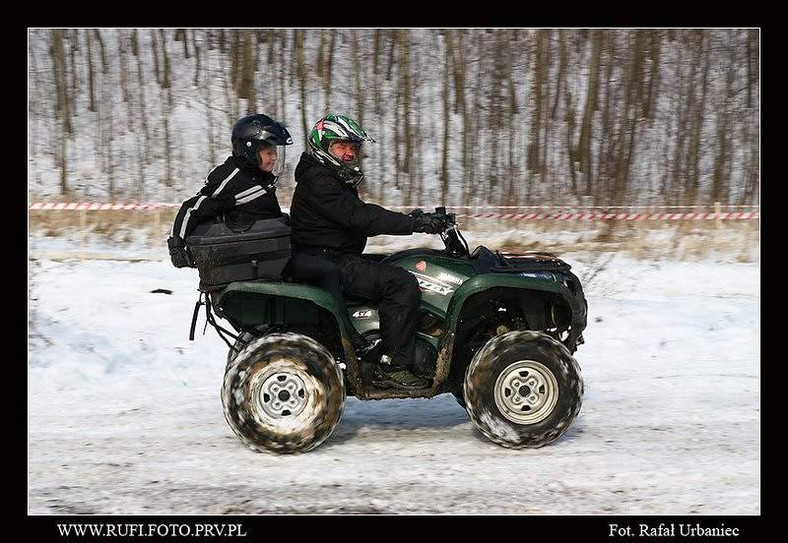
x=197 y=56
x=404 y=100
x=628 y=127
x=245 y=53
x=326 y=66
x=102 y=51
x=752 y=64
x=444 y=177
x=582 y=153
x=607 y=149
x=569 y=112
x=74 y=54
x=654 y=54
x=698 y=112
x=358 y=78
x=124 y=84
x=537 y=82
x=91 y=73
x=298 y=38
x=720 y=176
x=62 y=105
x=459 y=70
x=182 y=36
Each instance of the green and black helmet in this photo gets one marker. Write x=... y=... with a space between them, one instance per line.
x=333 y=128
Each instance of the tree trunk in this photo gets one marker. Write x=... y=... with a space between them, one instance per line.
x=141 y=103
x=654 y=75
x=699 y=114
x=207 y=86
x=124 y=84
x=182 y=36
x=459 y=69
x=197 y=58
x=91 y=73
x=544 y=105
x=283 y=41
x=534 y=152
x=752 y=64
x=444 y=179
x=680 y=131
x=569 y=113
x=102 y=52
x=628 y=122
x=405 y=98
x=298 y=37
x=329 y=61
x=377 y=52
x=606 y=142
x=247 y=88
x=62 y=106
x=358 y=72
x=582 y=154
x=74 y=51
x=495 y=108
x=719 y=191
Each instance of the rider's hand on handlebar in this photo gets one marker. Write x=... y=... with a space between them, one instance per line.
x=416 y=213
x=428 y=224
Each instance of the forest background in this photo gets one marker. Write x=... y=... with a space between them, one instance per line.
x=505 y=116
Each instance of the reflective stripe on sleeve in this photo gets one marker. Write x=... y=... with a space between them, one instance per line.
x=188 y=214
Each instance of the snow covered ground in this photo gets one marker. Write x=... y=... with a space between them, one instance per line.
x=125 y=415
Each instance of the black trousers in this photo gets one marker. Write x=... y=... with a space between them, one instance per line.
x=394 y=290
x=307 y=268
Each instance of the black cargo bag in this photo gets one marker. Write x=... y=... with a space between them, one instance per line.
x=225 y=252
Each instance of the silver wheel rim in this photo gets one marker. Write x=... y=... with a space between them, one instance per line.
x=526 y=392
x=283 y=394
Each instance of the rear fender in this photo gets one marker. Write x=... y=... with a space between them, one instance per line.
x=248 y=304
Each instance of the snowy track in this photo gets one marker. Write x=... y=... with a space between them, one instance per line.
x=125 y=415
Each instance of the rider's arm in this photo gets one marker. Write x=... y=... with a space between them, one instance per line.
x=345 y=208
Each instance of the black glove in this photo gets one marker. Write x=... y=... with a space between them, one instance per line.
x=429 y=224
x=416 y=213
x=178 y=253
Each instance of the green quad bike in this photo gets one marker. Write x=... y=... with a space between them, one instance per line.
x=496 y=331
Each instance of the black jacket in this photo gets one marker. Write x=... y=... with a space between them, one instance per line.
x=326 y=212
x=243 y=194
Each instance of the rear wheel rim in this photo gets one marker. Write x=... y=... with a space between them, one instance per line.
x=283 y=394
x=526 y=392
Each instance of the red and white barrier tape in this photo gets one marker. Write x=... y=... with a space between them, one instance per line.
x=97 y=207
x=751 y=215
x=586 y=215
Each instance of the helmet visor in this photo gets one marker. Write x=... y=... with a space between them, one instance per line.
x=272 y=159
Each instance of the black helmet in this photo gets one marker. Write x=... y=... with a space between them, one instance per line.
x=253 y=132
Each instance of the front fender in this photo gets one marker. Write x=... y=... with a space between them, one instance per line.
x=547 y=281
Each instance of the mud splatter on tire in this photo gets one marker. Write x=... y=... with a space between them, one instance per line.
x=283 y=393
x=523 y=389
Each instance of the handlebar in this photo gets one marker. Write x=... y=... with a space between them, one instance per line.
x=452 y=238
x=447 y=220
